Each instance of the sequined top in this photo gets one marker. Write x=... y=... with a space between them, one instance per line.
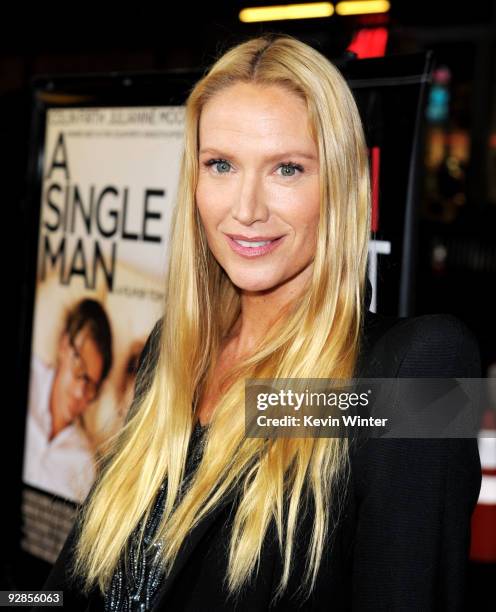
x=134 y=589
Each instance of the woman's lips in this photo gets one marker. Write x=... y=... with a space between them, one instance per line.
x=255 y=251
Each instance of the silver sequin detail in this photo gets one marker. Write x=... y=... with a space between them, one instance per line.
x=134 y=590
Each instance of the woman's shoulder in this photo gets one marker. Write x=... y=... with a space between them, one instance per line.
x=427 y=345
x=431 y=345
x=438 y=344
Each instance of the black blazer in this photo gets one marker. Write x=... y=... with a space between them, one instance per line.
x=403 y=541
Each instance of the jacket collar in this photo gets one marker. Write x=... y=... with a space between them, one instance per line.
x=189 y=545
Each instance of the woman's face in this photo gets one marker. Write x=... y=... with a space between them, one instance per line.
x=258 y=182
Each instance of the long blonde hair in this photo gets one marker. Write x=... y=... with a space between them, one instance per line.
x=324 y=325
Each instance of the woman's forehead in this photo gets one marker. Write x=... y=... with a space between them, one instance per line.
x=245 y=113
x=259 y=98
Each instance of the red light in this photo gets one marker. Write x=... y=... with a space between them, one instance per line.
x=369 y=42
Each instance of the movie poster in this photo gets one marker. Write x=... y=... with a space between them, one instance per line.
x=108 y=189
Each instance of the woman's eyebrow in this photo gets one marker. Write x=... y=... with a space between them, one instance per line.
x=272 y=156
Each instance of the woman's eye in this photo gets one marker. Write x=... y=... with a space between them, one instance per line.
x=222 y=166
x=289 y=169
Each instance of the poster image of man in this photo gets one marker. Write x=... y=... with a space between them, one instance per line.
x=58 y=455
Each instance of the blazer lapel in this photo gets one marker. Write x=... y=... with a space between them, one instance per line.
x=189 y=546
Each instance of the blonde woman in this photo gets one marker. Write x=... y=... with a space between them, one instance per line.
x=267 y=279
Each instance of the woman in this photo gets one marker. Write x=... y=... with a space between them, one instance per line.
x=267 y=279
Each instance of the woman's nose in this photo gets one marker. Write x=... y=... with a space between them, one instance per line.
x=249 y=201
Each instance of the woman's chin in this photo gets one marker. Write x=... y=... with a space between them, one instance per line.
x=254 y=285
